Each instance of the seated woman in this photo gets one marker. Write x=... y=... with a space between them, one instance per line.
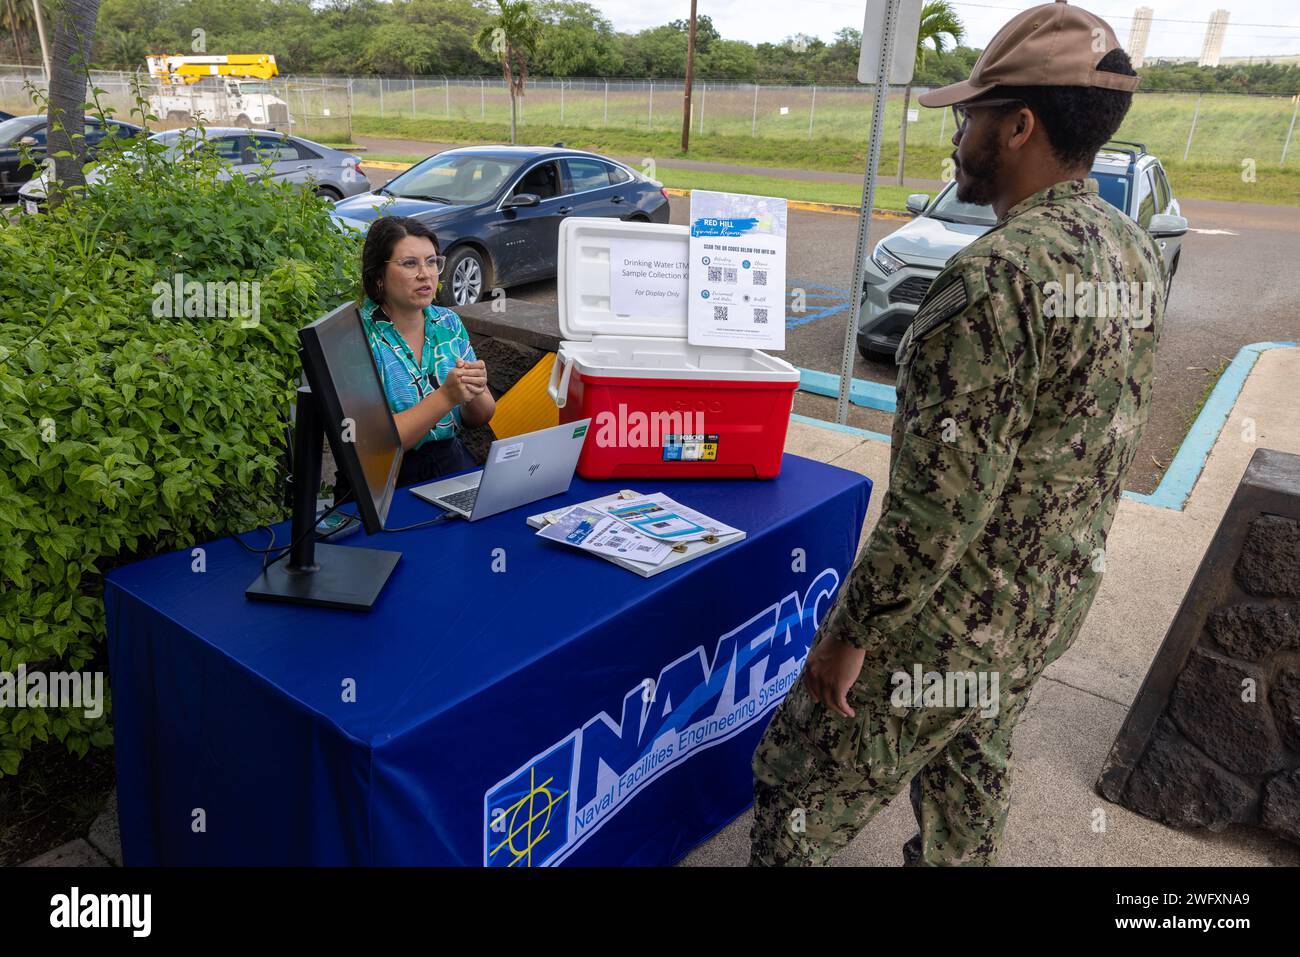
x=434 y=384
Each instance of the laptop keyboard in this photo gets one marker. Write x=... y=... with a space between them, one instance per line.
x=461 y=500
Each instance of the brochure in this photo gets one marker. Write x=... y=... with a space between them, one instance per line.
x=599 y=534
x=658 y=516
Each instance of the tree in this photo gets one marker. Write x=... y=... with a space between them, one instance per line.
x=938 y=20
x=74 y=29
x=512 y=35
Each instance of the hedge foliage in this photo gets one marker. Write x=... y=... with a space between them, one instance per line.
x=124 y=433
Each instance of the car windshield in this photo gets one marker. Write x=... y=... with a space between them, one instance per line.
x=454 y=178
x=12 y=130
x=1112 y=186
x=952 y=210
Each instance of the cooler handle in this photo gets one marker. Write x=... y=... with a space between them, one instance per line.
x=558 y=388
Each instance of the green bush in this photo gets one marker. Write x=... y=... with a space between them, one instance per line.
x=124 y=433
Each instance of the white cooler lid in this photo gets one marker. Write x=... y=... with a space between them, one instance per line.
x=583 y=278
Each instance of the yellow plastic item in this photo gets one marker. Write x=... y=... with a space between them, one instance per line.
x=527 y=407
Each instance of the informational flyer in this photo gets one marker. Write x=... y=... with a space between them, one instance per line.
x=737 y=276
x=660 y=517
x=598 y=533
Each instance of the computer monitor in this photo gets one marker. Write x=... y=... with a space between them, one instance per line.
x=344 y=400
x=342 y=374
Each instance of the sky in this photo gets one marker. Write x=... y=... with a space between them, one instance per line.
x=1258 y=28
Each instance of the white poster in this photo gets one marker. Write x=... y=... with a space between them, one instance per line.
x=647 y=277
x=737 y=282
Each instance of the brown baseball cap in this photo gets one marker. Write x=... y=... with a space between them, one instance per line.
x=1054 y=44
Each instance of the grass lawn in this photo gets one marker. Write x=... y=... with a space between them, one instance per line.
x=1224 y=178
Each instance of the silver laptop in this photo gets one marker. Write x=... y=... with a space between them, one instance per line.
x=518 y=470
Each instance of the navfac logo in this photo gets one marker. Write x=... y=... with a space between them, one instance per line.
x=548 y=807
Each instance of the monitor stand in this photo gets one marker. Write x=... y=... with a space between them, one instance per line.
x=332 y=576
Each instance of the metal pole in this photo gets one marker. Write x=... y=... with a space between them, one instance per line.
x=812 y=111
x=40 y=33
x=753 y=123
x=1195 y=114
x=1296 y=101
x=864 y=216
x=412 y=96
x=482 y=102
x=650 y=123
x=607 y=102
x=446 y=92
x=561 y=102
x=381 y=96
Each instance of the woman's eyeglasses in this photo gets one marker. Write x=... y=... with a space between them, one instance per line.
x=961 y=111
x=412 y=265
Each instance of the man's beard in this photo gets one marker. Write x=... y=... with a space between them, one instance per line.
x=981 y=168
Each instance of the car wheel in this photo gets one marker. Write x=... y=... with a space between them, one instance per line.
x=329 y=192
x=1169 y=281
x=464 y=279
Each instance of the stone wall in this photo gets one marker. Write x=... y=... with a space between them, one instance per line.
x=1213 y=737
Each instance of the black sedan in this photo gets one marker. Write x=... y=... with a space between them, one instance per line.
x=30 y=131
x=497 y=209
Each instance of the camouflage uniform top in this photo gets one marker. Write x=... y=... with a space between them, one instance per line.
x=1018 y=416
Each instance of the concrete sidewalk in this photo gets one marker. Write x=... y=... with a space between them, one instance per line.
x=1081 y=701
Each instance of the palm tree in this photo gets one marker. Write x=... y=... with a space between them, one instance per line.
x=74 y=28
x=938 y=19
x=512 y=36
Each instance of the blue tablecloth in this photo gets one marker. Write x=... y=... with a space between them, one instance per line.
x=508 y=701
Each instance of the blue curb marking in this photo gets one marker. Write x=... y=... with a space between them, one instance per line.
x=1177 y=482
x=871 y=395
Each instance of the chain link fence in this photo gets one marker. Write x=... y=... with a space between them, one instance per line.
x=1213 y=128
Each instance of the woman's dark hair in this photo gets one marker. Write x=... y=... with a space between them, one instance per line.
x=1078 y=120
x=384 y=234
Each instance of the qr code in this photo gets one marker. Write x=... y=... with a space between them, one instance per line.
x=760 y=277
x=720 y=312
x=715 y=274
x=729 y=275
x=760 y=314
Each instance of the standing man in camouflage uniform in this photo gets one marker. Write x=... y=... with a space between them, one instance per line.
x=1024 y=385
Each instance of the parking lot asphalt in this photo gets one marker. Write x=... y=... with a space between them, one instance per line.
x=1232 y=288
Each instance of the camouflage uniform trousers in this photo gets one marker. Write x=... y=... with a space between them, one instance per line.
x=819 y=777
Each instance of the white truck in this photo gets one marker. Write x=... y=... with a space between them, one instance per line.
x=231 y=89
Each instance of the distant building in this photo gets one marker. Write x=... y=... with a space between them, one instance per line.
x=1138 y=35
x=1214 y=38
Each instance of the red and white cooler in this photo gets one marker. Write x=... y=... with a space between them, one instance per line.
x=659 y=406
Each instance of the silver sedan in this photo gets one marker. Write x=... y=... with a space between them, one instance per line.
x=331 y=173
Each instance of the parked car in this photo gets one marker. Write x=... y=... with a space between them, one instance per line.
x=331 y=173
x=17 y=132
x=904 y=263
x=497 y=209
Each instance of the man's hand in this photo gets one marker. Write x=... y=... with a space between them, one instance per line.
x=832 y=668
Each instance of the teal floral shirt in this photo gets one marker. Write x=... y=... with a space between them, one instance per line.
x=408 y=380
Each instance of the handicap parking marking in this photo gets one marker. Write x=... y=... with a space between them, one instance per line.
x=820 y=302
